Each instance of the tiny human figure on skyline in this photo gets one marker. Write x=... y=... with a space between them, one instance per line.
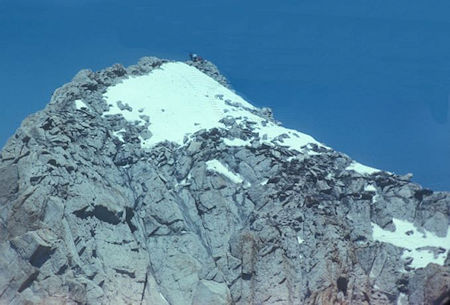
x=195 y=57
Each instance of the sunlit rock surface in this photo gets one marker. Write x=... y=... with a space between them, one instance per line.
x=157 y=184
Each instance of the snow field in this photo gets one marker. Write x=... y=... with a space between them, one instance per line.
x=180 y=100
x=79 y=104
x=418 y=245
x=362 y=169
x=218 y=167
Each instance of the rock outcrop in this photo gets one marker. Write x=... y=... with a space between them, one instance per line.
x=89 y=216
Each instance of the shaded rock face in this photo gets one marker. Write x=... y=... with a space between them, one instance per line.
x=88 y=218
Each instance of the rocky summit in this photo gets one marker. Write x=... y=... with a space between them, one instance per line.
x=157 y=184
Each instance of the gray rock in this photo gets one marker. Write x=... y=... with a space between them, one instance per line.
x=123 y=106
x=86 y=218
x=9 y=182
x=209 y=292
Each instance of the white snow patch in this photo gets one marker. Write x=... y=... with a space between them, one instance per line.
x=216 y=166
x=402 y=299
x=308 y=150
x=299 y=157
x=180 y=100
x=376 y=197
x=264 y=182
x=362 y=169
x=312 y=153
x=236 y=142
x=370 y=188
x=79 y=104
x=416 y=244
x=274 y=131
x=299 y=240
x=119 y=134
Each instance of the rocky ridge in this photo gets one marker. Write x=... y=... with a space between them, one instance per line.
x=90 y=217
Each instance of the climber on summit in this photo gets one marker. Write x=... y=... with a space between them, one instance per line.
x=195 y=58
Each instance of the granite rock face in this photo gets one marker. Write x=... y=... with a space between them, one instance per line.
x=87 y=217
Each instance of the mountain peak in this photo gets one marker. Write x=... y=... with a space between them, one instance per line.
x=176 y=100
x=158 y=184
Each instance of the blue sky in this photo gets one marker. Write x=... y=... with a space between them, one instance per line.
x=368 y=78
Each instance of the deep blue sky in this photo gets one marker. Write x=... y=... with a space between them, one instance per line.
x=368 y=78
